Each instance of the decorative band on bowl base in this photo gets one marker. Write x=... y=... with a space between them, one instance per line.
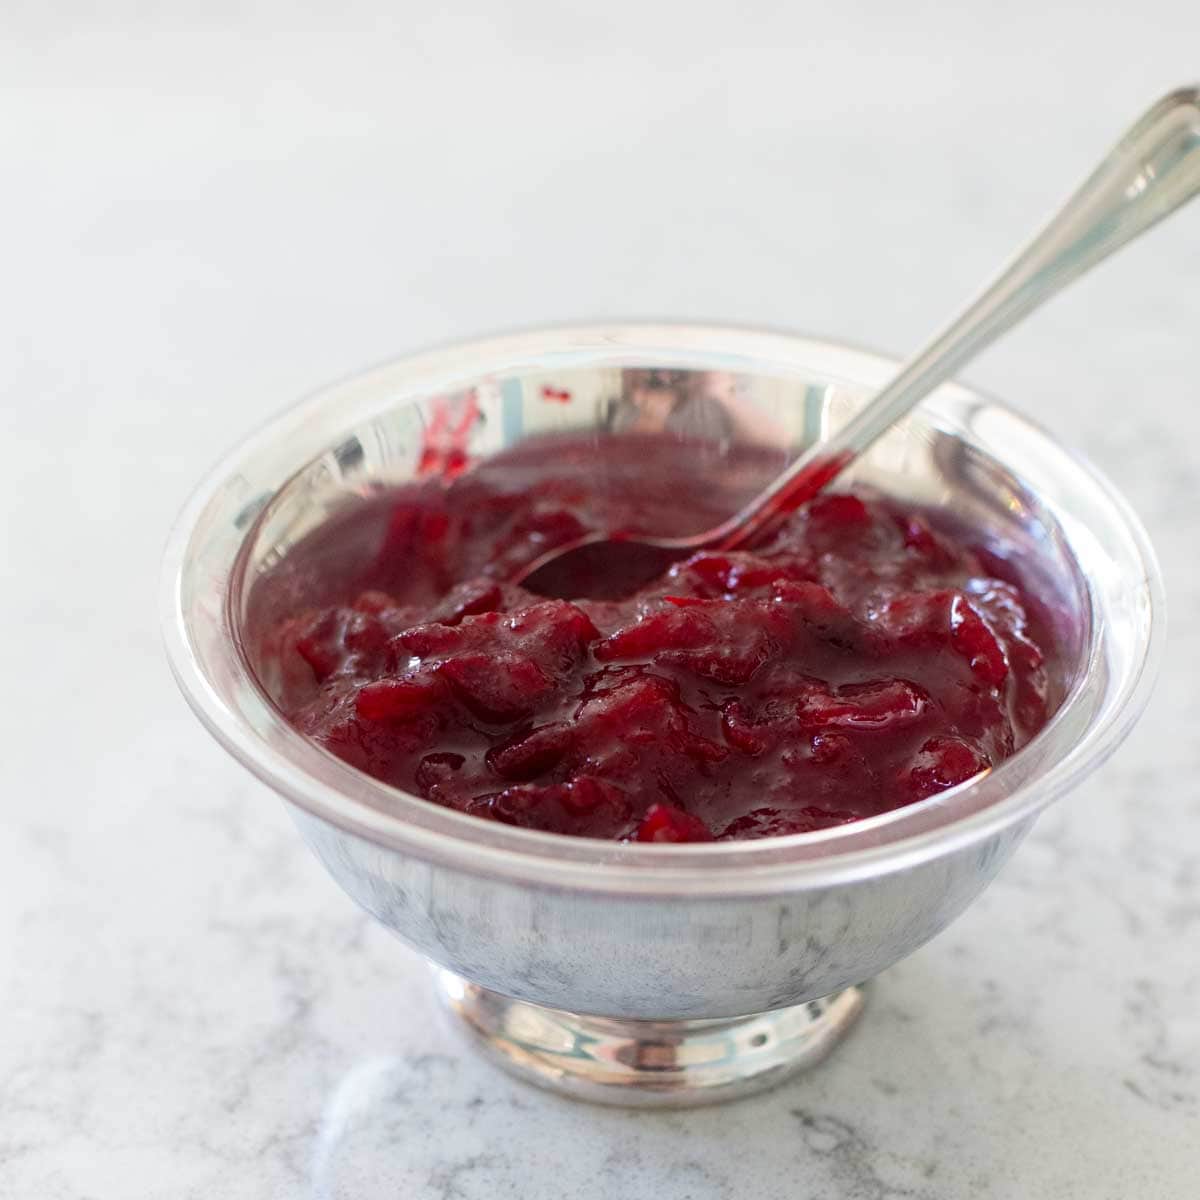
x=648 y=1064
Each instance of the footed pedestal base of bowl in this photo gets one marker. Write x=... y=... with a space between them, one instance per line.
x=648 y=1064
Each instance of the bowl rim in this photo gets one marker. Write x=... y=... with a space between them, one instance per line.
x=335 y=792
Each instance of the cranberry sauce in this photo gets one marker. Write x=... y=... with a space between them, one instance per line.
x=855 y=661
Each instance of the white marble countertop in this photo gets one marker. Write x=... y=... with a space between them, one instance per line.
x=206 y=217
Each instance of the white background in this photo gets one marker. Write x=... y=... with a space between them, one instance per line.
x=207 y=210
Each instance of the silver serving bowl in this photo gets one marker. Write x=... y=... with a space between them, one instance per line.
x=662 y=973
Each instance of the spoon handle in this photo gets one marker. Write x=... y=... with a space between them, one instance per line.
x=1153 y=170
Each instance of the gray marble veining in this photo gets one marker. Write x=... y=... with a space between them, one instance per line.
x=212 y=216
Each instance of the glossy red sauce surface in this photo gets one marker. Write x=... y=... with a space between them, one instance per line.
x=856 y=661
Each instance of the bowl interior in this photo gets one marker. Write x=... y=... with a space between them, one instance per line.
x=607 y=428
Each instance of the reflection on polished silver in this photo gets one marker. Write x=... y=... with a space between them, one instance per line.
x=650 y=932
x=649 y=1064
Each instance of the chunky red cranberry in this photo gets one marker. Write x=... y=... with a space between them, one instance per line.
x=856 y=658
x=941 y=763
x=666 y=823
x=399 y=699
x=467 y=599
x=778 y=822
x=341 y=640
x=725 y=641
x=585 y=806
x=531 y=754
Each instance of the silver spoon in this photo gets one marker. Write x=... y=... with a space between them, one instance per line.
x=1151 y=171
